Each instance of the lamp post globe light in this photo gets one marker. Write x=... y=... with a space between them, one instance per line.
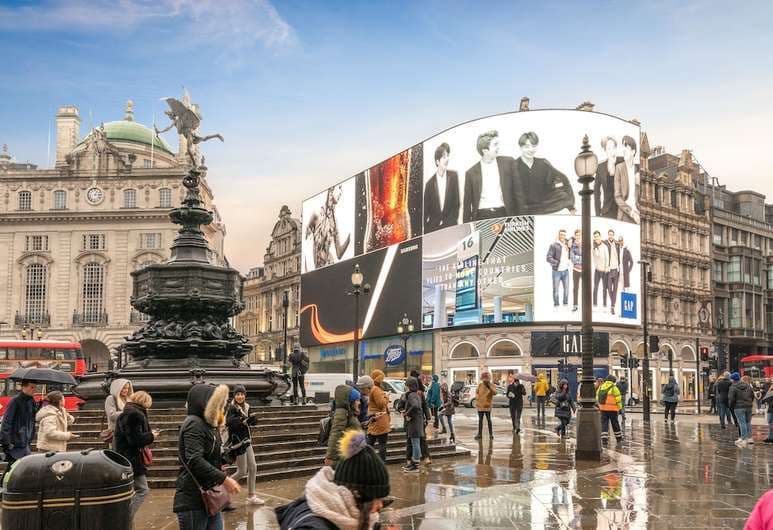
x=358 y=288
x=588 y=419
x=404 y=329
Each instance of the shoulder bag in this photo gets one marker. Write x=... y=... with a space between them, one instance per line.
x=214 y=498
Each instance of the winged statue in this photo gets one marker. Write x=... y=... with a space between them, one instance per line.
x=186 y=118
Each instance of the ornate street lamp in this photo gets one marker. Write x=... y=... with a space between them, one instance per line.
x=285 y=305
x=404 y=328
x=588 y=419
x=720 y=352
x=358 y=288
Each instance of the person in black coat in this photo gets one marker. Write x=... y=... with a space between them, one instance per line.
x=238 y=421
x=18 y=427
x=414 y=423
x=515 y=393
x=565 y=406
x=546 y=189
x=437 y=215
x=427 y=415
x=199 y=451
x=132 y=434
x=300 y=363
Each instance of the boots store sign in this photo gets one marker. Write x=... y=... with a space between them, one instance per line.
x=394 y=355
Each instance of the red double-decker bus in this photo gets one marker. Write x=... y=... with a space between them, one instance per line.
x=58 y=355
x=757 y=366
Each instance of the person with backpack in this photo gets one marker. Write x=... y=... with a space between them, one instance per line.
x=414 y=423
x=300 y=363
x=609 y=402
x=670 y=397
x=722 y=389
x=565 y=407
x=447 y=411
x=433 y=400
x=484 y=399
x=515 y=392
x=347 y=409
x=741 y=400
x=238 y=421
x=541 y=388
x=380 y=424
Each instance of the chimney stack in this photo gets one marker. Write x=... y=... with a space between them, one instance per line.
x=524 y=105
x=586 y=106
x=68 y=131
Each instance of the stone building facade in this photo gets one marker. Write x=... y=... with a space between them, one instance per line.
x=262 y=320
x=71 y=235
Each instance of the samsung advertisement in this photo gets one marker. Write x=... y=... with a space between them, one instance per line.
x=477 y=225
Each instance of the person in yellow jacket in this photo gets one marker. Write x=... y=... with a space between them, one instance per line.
x=610 y=402
x=541 y=391
x=484 y=400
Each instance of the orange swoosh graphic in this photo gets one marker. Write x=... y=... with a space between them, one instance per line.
x=321 y=334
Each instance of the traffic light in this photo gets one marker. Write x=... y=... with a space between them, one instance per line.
x=704 y=353
x=654 y=343
x=633 y=362
x=561 y=365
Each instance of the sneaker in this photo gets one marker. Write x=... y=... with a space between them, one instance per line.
x=517 y=431
x=228 y=507
x=411 y=468
x=254 y=499
x=739 y=442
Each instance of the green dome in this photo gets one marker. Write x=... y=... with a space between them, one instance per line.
x=131 y=131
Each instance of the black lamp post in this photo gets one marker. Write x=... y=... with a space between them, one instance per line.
x=404 y=328
x=358 y=288
x=645 y=275
x=285 y=306
x=720 y=352
x=588 y=419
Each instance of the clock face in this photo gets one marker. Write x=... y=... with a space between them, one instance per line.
x=95 y=195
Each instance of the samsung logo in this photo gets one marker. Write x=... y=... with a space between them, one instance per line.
x=409 y=249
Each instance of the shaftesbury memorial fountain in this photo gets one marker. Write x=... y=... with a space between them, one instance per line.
x=189 y=338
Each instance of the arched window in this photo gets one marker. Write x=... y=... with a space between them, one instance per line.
x=464 y=350
x=35 y=288
x=25 y=200
x=129 y=198
x=504 y=348
x=165 y=198
x=687 y=354
x=93 y=291
x=60 y=200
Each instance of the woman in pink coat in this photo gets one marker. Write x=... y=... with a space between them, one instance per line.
x=761 y=517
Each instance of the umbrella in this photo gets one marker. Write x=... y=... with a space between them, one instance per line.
x=768 y=395
x=43 y=375
x=527 y=377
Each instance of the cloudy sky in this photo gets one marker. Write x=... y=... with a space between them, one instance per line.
x=307 y=93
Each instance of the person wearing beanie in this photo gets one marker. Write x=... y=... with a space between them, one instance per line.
x=433 y=399
x=741 y=401
x=610 y=402
x=414 y=423
x=238 y=422
x=670 y=397
x=347 y=498
x=347 y=410
x=54 y=420
x=380 y=424
x=364 y=385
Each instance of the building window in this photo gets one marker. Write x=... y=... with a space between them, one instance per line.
x=60 y=200
x=35 y=293
x=147 y=164
x=151 y=240
x=129 y=198
x=734 y=236
x=93 y=241
x=36 y=243
x=664 y=239
x=756 y=272
x=93 y=291
x=747 y=270
x=770 y=276
x=734 y=269
x=673 y=199
x=165 y=198
x=25 y=200
x=717 y=235
x=718 y=276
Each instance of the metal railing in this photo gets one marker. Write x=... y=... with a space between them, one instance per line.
x=40 y=320
x=89 y=319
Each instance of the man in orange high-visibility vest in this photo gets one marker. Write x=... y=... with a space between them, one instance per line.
x=610 y=402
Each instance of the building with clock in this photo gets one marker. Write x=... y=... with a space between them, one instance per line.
x=71 y=235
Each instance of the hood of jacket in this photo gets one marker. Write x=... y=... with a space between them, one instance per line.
x=435 y=379
x=412 y=384
x=117 y=385
x=334 y=502
x=377 y=376
x=608 y=386
x=541 y=377
x=46 y=411
x=742 y=386
x=207 y=401
x=342 y=393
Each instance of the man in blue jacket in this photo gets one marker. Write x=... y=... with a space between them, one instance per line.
x=433 y=399
x=18 y=428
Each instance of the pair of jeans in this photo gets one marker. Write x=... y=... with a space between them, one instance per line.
x=450 y=423
x=487 y=415
x=670 y=406
x=600 y=277
x=246 y=467
x=607 y=417
x=141 y=490
x=713 y=403
x=541 y=400
x=515 y=416
x=724 y=412
x=381 y=439
x=744 y=417
x=416 y=450
x=561 y=429
x=613 y=279
x=422 y=446
x=299 y=383
x=560 y=277
x=576 y=276
x=199 y=520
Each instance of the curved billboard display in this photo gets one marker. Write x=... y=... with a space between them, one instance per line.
x=479 y=224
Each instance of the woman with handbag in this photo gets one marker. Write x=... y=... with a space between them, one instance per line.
x=132 y=440
x=120 y=390
x=238 y=422
x=565 y=407
x=202 y=488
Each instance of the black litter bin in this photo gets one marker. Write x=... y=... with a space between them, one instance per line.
x=74 y=490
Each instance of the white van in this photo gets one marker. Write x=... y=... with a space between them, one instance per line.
x=394 y=389
x=315 y=383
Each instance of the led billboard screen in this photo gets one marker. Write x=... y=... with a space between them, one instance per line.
x=491 y=211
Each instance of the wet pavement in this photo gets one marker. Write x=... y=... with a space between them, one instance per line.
x=683 y=475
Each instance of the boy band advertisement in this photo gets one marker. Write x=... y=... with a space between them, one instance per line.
x=508 y=181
